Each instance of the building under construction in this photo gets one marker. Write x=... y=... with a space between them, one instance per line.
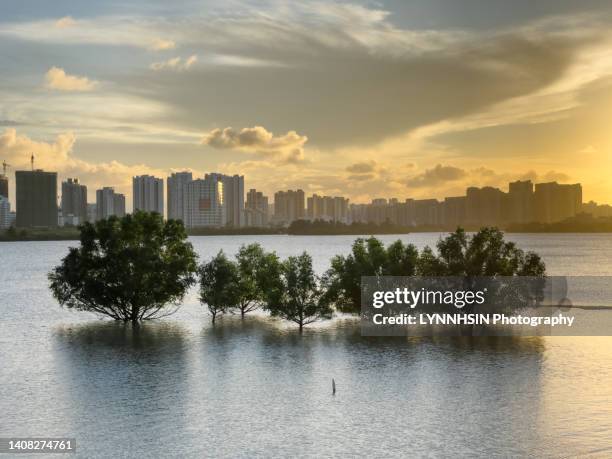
x=4 y=190
x=36 y=197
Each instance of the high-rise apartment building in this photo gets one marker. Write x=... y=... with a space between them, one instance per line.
x=453 y=209
x=5 y=213
x=256 y=209
x=74 y=201
x=204 y=203
x=233 y=196
x=289 y=206
x=427 y=212
x=378 y=211
x=485 y=206
x=148 y=194
x=554 y=202
x=520 y=202
x=119 y=205
x=92 y=212
x=176 y=189
x=327 y=208
x=4 y=186
x=109 y=203
x=36 y=199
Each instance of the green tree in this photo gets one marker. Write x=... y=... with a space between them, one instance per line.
x=296 y=295
x=219 y=285
x=252 y=262
x=486 y=260
x=130 y=269
x=368 y=257
x=486 y=253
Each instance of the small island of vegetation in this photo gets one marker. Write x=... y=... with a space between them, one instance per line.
x=140 y=267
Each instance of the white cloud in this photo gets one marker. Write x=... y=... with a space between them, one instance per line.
x=58 y=156
x=57 y=78
x=160 y=44
x=176 y=63
x=289 y=147
x=66 y=21
x=588 y=150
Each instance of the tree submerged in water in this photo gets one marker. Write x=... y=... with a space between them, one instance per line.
x=295 y=294
x=238 y=286
x=131 y=269
x=219 y=285
x=368 y=257
x=485 y=253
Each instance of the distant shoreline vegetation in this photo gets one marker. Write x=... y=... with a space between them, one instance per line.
x=578 y=224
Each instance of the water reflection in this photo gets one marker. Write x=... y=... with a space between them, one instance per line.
x=150 y=337
x=122 y=381
x=251 y=384
x=181 y=388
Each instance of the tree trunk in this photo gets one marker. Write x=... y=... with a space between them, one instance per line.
x=301 y=324
x=214 y=316
x=242 y=313
x=134 y=315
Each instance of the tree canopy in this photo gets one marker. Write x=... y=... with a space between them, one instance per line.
x=238 y=285
x=219 y=285
x=252 y=264
x=131 y=268
x=368 y=257
x=486 y=253
x=295 y=294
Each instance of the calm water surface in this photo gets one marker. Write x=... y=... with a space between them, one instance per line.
x=256 y=388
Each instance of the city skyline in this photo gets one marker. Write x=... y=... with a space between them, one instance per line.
x=177 y=174
x=340 y=98
x=218 y=200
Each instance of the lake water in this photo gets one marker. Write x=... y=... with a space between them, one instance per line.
x=256 y=388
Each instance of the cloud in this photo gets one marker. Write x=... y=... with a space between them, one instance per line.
x=363 y=167
x=58 y=79
x=257 y=139
x=159 y=44
x=291 y=67
x=316 y=47
x=550 y=176
x=588 y=150
x=5 y=122
x=369 y=170
x=66 y=21
x=176 y=64
x=58 y=156
x=437 y=175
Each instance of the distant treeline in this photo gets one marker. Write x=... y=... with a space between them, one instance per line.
x=579 y=224
x=247 y=230
x=322 y=227
x=42 y=234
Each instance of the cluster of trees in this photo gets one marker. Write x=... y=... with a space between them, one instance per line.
x=140 y=267
x=257 y=279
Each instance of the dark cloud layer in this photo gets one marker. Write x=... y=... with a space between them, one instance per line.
x=342 y=92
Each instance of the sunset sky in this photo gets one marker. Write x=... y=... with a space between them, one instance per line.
x=415 y=98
